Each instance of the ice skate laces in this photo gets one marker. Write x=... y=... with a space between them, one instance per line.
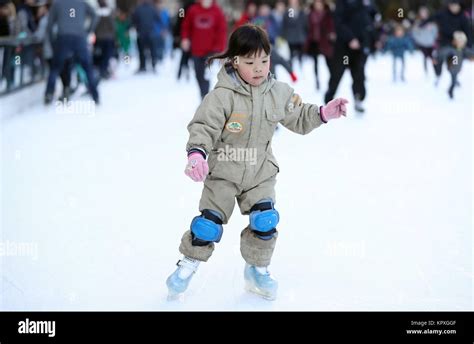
x=188 y=265
x=262 y=270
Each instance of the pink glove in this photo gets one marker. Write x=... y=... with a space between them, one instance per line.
x=197 y=168
x=334 y=109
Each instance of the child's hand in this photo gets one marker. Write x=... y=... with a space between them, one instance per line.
x=197 y=168
x=334 y=109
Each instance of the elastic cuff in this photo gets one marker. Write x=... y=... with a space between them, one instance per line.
x=197 y=150
x=321 y=115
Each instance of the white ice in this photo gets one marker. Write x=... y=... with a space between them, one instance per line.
x=376 y=210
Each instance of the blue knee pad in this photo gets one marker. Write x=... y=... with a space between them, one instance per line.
x=264 y=219
x=207 y=227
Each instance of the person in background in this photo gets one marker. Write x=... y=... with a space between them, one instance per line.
x=203 y=33
x=162 y=29
x=398 y=44
x=248 y=15
x=425 y=36
x=25 y=17
x=122 y=34
x=294 y=30
x=41 y=35
x=144 y=19
x=354 y=20
x=454 y=55
x=105 y=38
x=321 y=35
x=279 y=13
x=8 y=27
x=8 y=21
x=185 y=55
x=449 y=20
x=71 y=40
x=266 y=20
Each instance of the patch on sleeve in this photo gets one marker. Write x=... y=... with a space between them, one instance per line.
x=294 y=102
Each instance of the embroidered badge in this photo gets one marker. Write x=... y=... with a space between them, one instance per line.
x=234 y=127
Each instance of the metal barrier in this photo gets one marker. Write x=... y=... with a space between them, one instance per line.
x=21 y=63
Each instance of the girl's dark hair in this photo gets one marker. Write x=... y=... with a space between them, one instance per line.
x=246 y=40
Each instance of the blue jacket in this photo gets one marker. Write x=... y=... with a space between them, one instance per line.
x=164 y=23
x=270 y=25
x=398 y=45
x=70 y=17
x=144 y=18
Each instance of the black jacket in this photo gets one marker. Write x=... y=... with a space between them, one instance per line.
x=355 y=19
x=144 y=19
x=448 y=23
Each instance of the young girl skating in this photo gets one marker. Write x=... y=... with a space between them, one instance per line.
x=240 y=116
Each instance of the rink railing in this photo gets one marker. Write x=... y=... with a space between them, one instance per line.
x=21 y=63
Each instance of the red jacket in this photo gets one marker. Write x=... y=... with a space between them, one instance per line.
x=244 y=19
x=206 y=28
x=319 y=30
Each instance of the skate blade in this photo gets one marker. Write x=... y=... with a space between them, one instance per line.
x=257 y=291
x=172 y=296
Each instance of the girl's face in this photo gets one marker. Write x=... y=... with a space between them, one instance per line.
x=253 y=69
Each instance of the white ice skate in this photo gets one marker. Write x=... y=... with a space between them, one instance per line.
x=258 y=280
x=178 y=281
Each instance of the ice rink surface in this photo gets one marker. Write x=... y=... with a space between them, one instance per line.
x=376 y=210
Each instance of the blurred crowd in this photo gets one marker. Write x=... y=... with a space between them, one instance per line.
x=85 y=40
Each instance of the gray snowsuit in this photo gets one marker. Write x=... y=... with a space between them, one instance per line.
x=234 y=126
